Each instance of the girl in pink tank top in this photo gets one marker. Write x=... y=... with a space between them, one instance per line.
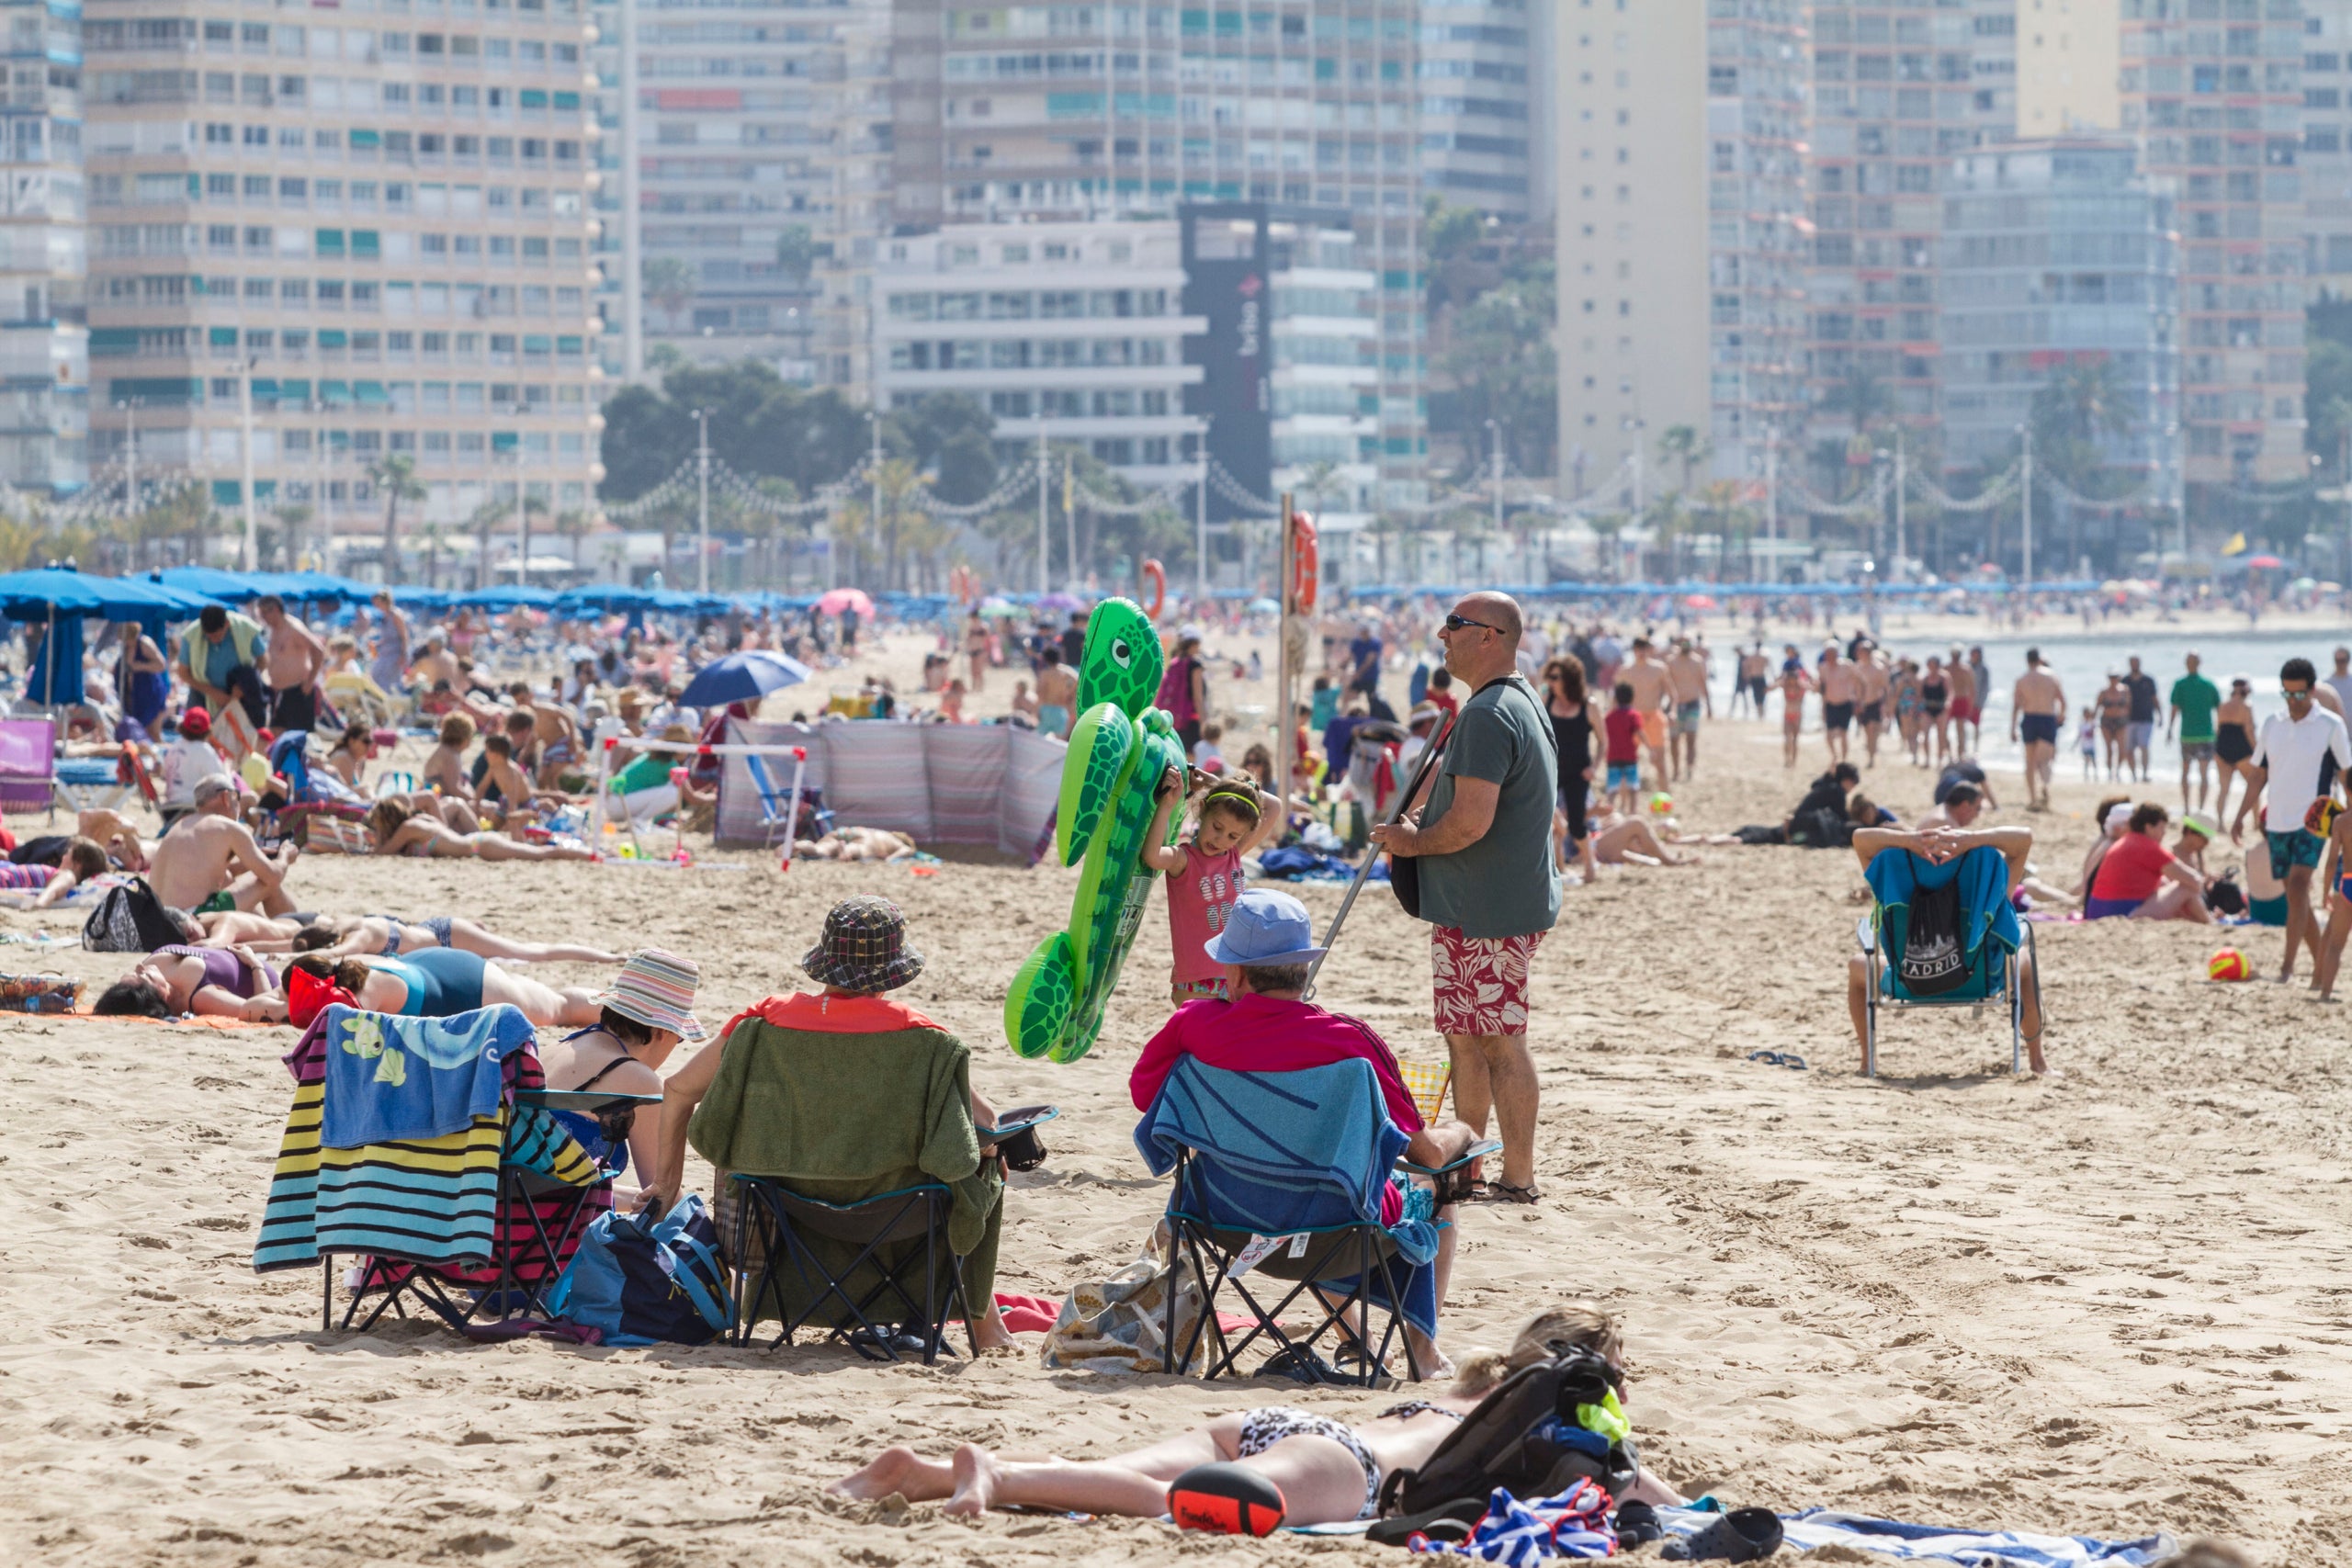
x=1204 y=875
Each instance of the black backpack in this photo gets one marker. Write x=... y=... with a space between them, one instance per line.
x=1822 y=828
x=1511 y=1440
x=131 y=919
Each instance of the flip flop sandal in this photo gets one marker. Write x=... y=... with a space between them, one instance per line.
x=1300 y=1364
x=1770 y=1058
x=1791 y=1060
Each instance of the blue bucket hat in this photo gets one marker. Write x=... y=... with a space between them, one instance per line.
x=1266 y=926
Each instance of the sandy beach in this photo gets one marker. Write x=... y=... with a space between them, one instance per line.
x=2108 y=1303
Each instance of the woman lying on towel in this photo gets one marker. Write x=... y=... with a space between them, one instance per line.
x=401 y=830
x=1327 y=1471
x=440 y=982
x=215 y=982
x=367 y=934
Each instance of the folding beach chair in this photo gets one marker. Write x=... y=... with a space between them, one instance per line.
x=781 y=808
x=773 y=1228
x=1993 y=973
x=1280 y=1174
x=474 y=1224
x=86 y=784
x=27 y=764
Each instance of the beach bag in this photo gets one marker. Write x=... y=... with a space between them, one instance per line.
x=641 y=1281
x=131 y=919
x=38 y=993
x=1533 y=1436
x=2225 y=897
x=1822 y=828
x=1120 y=1324
x=1932 y=960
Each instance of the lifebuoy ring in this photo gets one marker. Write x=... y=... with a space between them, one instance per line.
x=1156 y=576
x=1306 y=563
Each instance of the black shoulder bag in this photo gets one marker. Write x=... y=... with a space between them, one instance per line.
x=1405 y=871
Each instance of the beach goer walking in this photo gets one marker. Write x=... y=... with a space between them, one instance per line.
x=976 y=649
x=2337 y=877
x=2140 y=730
x=219 y=661
x=1934 y=696
x=2339 y=680
x=2193 y=698
x=1622 y=749
x=2285 y=772
x=2233 y=741
x=142 y=681
x=1793 y=683
x=1057 y=693
x=389 y=669
x=1871 y=687
x=1184 y=688
x=2086 y=741
x=1967 y=697
x=2037 y=707
x=2114 y=702
x=1687 y=672
x=1489 y=887
x=1840 y=690
x=1570 y=706
x=1652 y=700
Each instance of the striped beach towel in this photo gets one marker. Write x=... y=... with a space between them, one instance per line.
x=427 y=1200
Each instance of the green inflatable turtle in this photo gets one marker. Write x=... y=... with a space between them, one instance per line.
x=1119 y=749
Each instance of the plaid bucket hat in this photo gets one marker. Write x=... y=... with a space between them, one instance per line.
x=864 y=948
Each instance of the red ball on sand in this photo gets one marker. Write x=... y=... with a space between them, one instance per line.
x=1230 y=1499
x=2228 y=964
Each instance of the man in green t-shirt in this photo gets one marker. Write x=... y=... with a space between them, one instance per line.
x=2193 y=698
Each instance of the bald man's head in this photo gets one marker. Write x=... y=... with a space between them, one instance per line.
x=1500 y=610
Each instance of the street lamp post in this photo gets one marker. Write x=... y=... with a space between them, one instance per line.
x=250 y=557
x=702 y=504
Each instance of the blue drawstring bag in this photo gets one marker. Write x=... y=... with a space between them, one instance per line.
x=640 y=1280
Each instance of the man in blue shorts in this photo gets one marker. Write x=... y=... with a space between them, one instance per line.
x=2285 y=772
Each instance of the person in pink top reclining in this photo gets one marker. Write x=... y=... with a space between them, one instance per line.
x=1268 y=952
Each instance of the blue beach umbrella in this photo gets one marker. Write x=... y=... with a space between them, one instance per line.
x=743 y=677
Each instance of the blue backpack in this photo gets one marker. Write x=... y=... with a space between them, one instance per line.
x=640 y=1281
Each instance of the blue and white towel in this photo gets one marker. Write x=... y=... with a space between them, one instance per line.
x=390 y=1079
x=1814 y=1527
x=1574 y=1524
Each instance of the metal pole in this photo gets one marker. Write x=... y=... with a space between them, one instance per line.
x=1495 y=431
x=1285 y=727
x=874 y=476
x=1771 y=497
x=1069 y=514
x=702 y=454
x=130 y=460
x=251 y=558
x=1201 y=527
x=2025 y=510
x=522 y=522
x=1898 y=506
x=632 y=230
x=1044 y=536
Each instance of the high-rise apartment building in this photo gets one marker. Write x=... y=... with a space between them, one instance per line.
x=325 y=238
x=1073 y=332
x=758 y=174
x=1680 y=233
x=2326 y=156
x=44 y=359
x=2069 y=57
x=1057 y=112
x=1487 y=109
x=2058 y=253
x=2213 y=89
x=1901 y=87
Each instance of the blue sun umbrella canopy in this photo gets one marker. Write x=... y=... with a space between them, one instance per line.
x=60 y=600
x=744 y=677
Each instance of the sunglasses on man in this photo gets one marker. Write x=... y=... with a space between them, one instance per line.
x=1457 y=623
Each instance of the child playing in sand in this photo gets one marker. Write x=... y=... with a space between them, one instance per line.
x=1622 y=731
x=1204 y=876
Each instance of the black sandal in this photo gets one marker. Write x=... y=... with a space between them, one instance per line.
x=1504 y=1192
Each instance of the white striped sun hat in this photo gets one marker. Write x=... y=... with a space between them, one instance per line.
x=657 y=988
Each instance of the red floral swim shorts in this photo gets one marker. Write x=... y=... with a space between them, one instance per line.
x=1480 y=982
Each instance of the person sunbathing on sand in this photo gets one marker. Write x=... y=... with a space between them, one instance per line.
x=401 y=830
x=212 y=982
x=1621 y=839
x=441 y=982
x=366 y=935
x=1328 y=1471
x=856 y=843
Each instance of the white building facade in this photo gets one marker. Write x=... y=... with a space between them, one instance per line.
x=1072 y=332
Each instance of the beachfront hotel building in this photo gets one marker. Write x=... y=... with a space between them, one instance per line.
x=1682 y=236
x=1488 y=110
x=325 y=238
x=755 y=155
x=2069 y=65
x=2056 y=251
x=1073 y=332
x=44 y=359
x=2215 y=96
x=2326 y=155
x=1074 y=111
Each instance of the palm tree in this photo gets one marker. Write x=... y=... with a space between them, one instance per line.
x=1861 y=397
x=1682 y=443
x=291 y=517
x=485 y=520
x=670 y=283
x=395 y=475
x=574 y=525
